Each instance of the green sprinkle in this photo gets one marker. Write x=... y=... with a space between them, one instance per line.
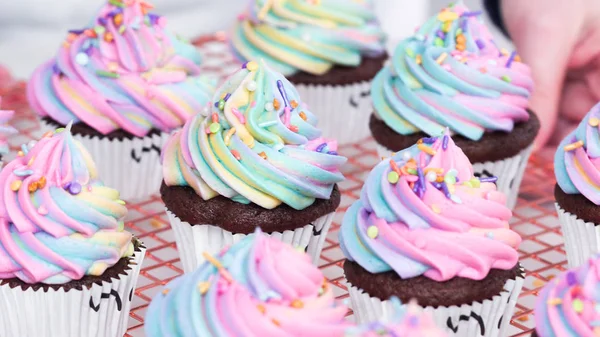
x=107 y=74
x=468 y=184
x=120 y=202
x=214 y=127
x=59 y=130
x=450 y=180
x=122 y=29
x=438 y=42
x=476 y=183
x=221 y=104
x=578 y=305
x=459 y=31
x=412 y=171
x=99 y=30
x=393 y=177
x=506 y=78
x=116 y=3
x=372 y=232
x=410 y=52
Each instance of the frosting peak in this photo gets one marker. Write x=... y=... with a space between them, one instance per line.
x=309 y=36
x=257 y=287
x=57 y=221
x=422 y=212
x=257 y=143
x=451 y=73
x=123 y=71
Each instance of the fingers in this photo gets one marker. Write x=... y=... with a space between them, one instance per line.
x=564 y=127
x=577 y=99
x=545 y=45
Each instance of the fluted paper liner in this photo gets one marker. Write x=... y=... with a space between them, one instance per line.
x=582 y=239
x=343 y=110
x=193 y=240
x=131 y=166
x=489 y=318
x=509 y=171
x=100 y=311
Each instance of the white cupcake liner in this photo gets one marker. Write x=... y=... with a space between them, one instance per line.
x=131 y=166
x=582 y=239
x=343 y=110
x=490 y=318
x=100 y=311
x=509 y=171
x=193 y=240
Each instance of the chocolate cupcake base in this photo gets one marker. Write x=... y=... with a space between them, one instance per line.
x=466 y=308
x=211 y=225
x=90 y=307
x=579 y=219
x=496 y=154
x=129 y=164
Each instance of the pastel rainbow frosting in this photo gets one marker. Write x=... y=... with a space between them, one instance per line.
x=122 y=71
x=307 y=35
x=409 y=321
x=257 y=287
x=423 y=212
x=258 y=143
x=58 y=222
x=569 y=305
x=451 y=73
x=577 y=159
x=5 y=129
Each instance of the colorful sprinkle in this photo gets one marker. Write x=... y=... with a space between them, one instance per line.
x=426 y=149
x=488 y=179
x=461 y=39
x=372 y=232
x=594 y=121
x=578 y=305
x=456 y=199
x=410 y=52
x=261 y=308
x=263 y=155
x=251 y=66
x=438 y=42
x=117 y=3
x=269 y=106
x=236 y=154
x=215 y=117
x=228 y=136
x=293 y=128
x=82 y=59
x=74 y=188
x=573 y=146
x=480 y=44
x=203 y=287
x=554 y=301
x=431 y=176
x=571 y=278
x=511 y=59
x=42 y=210
x=461 y=47
x=489 y=235
x=276 y=104
x=419 y=59
x=238 y=115
x=473 y=13
x=22 y=173
x=293 y=104
x=108 y=74
x=447 y=16
x=298 y=304
x=251 y=86
x=32 y=187
x=214 y=127
x=15 y=185
x=506 y=78
x=445 y=141
x=441 y=58
x=221 y=104
x=281 y=89
x=393 y=177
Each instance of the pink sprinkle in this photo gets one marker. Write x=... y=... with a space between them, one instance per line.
x=42 y=210
x=238 y=115
x=207 y=130
x=287 y=116
x=253 y=104
x=447 y=67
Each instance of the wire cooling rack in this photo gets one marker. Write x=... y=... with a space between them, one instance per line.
x=541 y=252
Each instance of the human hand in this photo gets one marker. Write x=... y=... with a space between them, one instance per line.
x=560 y=40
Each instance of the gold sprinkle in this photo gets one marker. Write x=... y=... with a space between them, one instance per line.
x=460 y=39
x=264 y=10
x=156 y=223
x=504 y=52
x=594 y=121
x=538 y=283
x=523 y=318
x=419 y=59
x=294 y=104
x=165 y=291
x=436 y=209
x=263 y=155
x=517 y=58
x=32 y=187
x=212 y=260
x=554 y=301
x=426 y=149
x=30 y=162
x=203 y=287
x=228 y=136
x=276 y=104
x=42 y=182
x=261 y=308
x=461 y=47
x=298 y=304
x=573 y=146
x=441 y=58
x=48 y=134
x=15 y=185
x=20 y=154
x=252 y=66
x=276 y=322
x=302 y=115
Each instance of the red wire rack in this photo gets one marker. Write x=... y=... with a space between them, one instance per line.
x=541 y=252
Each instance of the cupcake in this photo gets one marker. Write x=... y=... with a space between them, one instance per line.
x=329 y=49
x=5 y=131
x=426 y=227
x=256 y=160
x=125 y=82
x=67 y=267
x=568 y=305
x=407 y=321
x=257 y=287
x=450 y=73
x=577 y=191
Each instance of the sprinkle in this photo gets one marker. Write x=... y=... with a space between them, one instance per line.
x=419 y=59
x=118 y=19
x=577 y=305
x=473 y=13
x=236 y=154
x=436 y=209
x=523 y=318
x=281 y=89
x=511 y=59
x=228 y=136
x=475 y=182
x=445 y=141
x=215 y=117
x=594 y=121
x=117 y=3
x=20 y=154
x=276 y=322
x=107 y=74
x=212 y=260
x=431 y=176
x=489 y=235
x=214 y=127
x=573 y=146
x=321 y=147
x=426 y=149
x=410 y=52
x=446 y=26
x=293 y=104
x=571 y=278
x=372 y=232
x=393 y=177
x=42 y=210
x=293 y=128
x=438 y=42
x=261 y=308
x=238 y=115
x=460 y=39
x=203 y=287
x=483 y=70
x=480 y=44
x=74 y=188
x=32 y=187
x=538 y=283
x=456 y=199
x=22 y=173
x=263 y=155
x=503 y=52
x=276 y=104
x=24 y=148
x=82 y=59
x=412 y=171
x=251 y=86
x=122 y=30
x=15 y=185
x=333 y=153
x=165 y=291
x=506 y=78
x=156 y=223
x=459 y=31
x=441 y=58
x=298 y=304
x=440 y=34
x=221 y=104
x=488 y=179
x=269 y=106
x=251 y=66
x=108 y=37
x=461 y=47
x=447 y=16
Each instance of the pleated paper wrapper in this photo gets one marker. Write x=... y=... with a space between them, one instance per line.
x=131 y=166
x=509 y=171
x=490 y=318
x=343 y=110
x=582 y=239
x=100 y=311
x=193 y=240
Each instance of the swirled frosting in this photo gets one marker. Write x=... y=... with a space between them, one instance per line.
x=123 y=71
x=569 y=305
x=450 y=73
x=577 y=159
x=409 y=321
x=5 y=129
x=304 y=35
x=257 y=287
x=258 y=144
x=422 y=212
x=58 y=223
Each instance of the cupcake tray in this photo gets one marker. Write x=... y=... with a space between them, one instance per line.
x=535 y=219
